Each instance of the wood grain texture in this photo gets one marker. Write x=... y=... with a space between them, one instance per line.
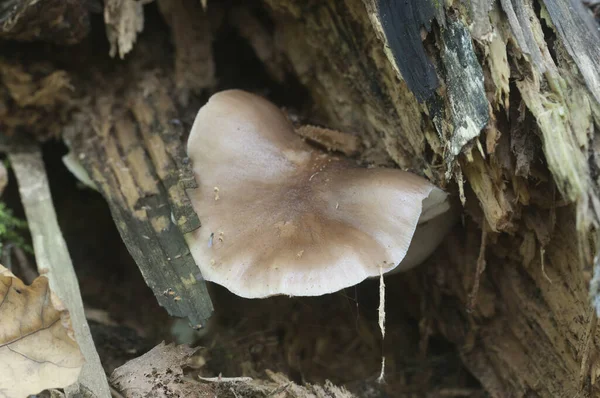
x=137 y=160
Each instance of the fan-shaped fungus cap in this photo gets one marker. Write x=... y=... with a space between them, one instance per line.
x=279 y=217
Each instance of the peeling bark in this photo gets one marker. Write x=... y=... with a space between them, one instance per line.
x=466 y=96
x=138 y=163
x=401 y=22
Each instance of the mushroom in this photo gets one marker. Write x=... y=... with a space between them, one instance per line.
x=282 y=218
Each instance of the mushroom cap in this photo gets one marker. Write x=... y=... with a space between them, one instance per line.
x=280 y=217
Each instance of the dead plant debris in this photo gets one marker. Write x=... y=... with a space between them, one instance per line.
x=37 y=345
x=160 y=373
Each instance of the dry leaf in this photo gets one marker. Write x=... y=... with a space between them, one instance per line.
x=37 y=347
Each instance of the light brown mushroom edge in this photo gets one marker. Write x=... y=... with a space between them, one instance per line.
x=280 y=217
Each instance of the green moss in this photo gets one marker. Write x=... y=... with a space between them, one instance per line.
x=11 y=230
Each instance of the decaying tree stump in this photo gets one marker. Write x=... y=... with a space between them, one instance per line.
x=527 y=180
x=497 y=101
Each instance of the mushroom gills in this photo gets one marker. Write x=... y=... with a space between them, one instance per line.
x=438 y=216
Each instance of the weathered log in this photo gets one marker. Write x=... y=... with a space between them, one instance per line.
x=138 y=163
x=129 y=140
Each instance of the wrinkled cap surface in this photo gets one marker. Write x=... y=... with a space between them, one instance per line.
x=280 y=217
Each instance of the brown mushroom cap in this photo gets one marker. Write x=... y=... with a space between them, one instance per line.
x=280 y=217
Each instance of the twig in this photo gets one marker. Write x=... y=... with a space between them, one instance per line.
x=53 y=260
x=381 y=378
x=220 y=379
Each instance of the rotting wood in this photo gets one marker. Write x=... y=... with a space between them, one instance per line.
x=401 y=23
x=124 y=20
x=516 y=304
x=258 y=36
x=482 y=26
x=190 y=31
x=137 y=160
x=333 y=50
x=54 y=21
x=466 y=95
x=478 y=270
x=580 y=37
x=36 y=98
x=331 y=140
x=53 y=261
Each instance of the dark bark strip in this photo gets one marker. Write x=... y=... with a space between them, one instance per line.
x=402 y=22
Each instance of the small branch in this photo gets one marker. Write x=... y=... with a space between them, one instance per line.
x=53 y=259
x=220 y=379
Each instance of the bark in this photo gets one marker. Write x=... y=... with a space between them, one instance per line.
x=497 y=101
x=139 y=165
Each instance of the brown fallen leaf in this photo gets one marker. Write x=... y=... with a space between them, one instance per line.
x=37 y=346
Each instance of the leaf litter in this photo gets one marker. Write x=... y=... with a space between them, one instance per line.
x=38 y=350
